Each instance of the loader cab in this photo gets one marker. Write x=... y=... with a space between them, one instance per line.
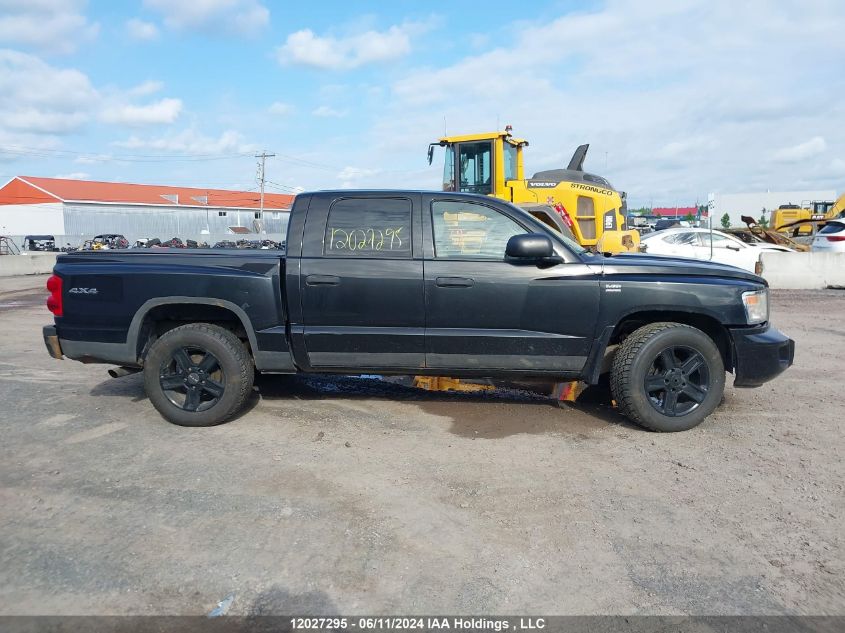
x=481 y=163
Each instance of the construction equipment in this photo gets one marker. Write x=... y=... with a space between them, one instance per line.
x=578 y=204
x=786 y=216
x=755 y=232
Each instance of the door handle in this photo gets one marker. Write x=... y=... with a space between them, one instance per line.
x=454 y=282
x=322 y=280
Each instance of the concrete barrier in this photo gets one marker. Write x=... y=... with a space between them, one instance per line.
x=29 y=264
x=804 y=271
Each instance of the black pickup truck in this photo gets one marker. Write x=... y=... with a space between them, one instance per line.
x=416 y=283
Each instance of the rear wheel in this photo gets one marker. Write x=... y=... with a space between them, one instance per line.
x=667 y=376
x=198 y=374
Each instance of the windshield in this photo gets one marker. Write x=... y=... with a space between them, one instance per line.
x=474 y=167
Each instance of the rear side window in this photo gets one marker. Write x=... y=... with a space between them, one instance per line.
x=369 y=227
x=833 y=227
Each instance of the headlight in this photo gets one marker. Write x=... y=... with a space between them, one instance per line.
x=756 y=306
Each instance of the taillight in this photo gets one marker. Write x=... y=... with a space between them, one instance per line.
x=562 y=212
x=836 y=238
x=54 y=301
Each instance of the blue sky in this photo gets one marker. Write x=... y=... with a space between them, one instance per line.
x=677 y=98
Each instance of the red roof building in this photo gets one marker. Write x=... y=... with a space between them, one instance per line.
x=78 y=209
x=674 y=212
x=34 y=189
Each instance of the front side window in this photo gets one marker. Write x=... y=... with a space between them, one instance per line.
x=449 y=169
x=510 y=161
x=719 y=241
x=466 y=230
x=369 y=227
x=475 y=169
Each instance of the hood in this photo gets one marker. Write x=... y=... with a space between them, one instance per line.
x=662 y=265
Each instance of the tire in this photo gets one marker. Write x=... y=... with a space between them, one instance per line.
x=667 y=377
x=198 y=375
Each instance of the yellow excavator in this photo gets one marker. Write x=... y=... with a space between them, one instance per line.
x=797 y=219
x=578 y=204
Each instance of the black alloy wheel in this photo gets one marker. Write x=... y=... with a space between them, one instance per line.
x=192 y=379
x=678 y=381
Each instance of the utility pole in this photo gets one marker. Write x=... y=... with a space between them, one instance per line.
x=263 y=156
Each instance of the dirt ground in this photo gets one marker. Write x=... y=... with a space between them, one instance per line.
x=358 y=497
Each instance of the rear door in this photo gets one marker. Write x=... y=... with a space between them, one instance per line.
x=485 y=313
x=361 y=283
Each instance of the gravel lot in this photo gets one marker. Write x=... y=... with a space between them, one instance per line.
x=356 y=496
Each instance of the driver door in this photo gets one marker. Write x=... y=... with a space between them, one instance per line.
x=483 y=312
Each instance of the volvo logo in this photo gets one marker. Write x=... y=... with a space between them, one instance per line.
x=82 y=291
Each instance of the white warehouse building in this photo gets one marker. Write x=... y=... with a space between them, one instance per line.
x=753 y=204
x=73 y=210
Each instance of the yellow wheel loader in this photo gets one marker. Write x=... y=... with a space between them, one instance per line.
x=578 y=204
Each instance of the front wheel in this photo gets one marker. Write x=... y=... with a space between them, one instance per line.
x=198 y=374
x=667 y=377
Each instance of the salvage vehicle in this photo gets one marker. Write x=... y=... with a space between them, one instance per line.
x=416 y=283
x=37 y=243
x=709 y=245
x=830 y=238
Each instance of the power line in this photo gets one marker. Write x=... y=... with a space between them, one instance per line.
x=263 y=156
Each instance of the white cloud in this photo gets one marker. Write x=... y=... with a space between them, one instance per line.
x=146 y=88
x=163 y=111
x=342 y=53
x=141 y=30
x=243 y=17
x=74 y=175
x=280 y=109
x=351 y=177
x=327 y=112
x=48 y=26
x=837 y=166
x=190 y=142
x=37 y=98
x=93 y=159
x=800 y=152
x=699 y=100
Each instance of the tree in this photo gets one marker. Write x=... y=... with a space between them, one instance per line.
x=690 y=217
x=726 y=221
x=763 y=222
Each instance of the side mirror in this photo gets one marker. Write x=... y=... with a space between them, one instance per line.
x=529 y=247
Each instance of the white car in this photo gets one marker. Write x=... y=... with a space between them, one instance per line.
x=697 y=244
x=831 y=239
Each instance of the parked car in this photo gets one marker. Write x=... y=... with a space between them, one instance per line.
x=409 y=282
x=696 y=244
x=831 y=238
